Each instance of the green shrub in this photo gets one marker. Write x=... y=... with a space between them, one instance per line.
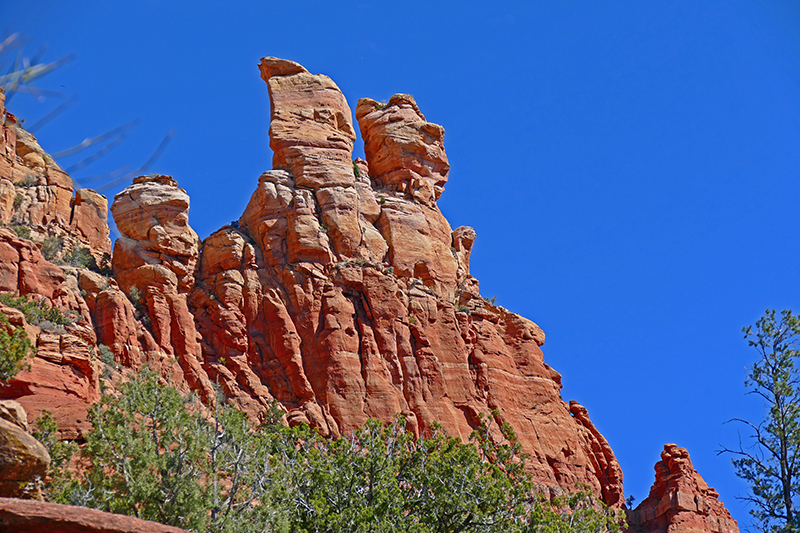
x=356 y=171
x=14 y=349
x=139 y=306
x=80 y=257
x=18 y=199
x=27 y=181
x=52 y=246
x=59 y=477
x=151 y=453
x=35 y=313
x=106 y=355
x=22 y=230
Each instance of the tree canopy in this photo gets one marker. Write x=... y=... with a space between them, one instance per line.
x=771 y=461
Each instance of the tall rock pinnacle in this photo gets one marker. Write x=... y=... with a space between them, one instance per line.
x=680 y=501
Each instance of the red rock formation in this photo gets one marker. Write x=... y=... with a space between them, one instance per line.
x=37 y=194
x=342 y=293
x=154 y=262
x=62 y=377
x=680 y=501
x=311 y=129
x=27 y=516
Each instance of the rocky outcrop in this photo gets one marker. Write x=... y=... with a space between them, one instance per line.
x=154 y=263
x=311 y=128
x=63 y=376
x=25 y=516
x=51 y=222
x=680 y=501
x=343 y=293
x=23 y=459
x=39 y=199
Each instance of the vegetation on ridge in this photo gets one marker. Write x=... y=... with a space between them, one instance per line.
x=153 y=453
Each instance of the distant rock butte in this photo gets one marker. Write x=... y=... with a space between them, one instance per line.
x=342 y=292
x=680 y=501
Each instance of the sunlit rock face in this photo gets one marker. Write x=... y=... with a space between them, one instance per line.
x=26 y=516
x=341 y=293
x=344 y=294
x=680 y=501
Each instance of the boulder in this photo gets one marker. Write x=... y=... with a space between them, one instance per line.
x=23 y=459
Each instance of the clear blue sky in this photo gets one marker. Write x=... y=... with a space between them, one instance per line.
x=631 y=168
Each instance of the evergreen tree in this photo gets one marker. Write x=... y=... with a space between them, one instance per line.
x=771 y=465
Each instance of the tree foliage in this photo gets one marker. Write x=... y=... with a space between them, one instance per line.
x=160 y=456
x=771 y=464
x=14 y=348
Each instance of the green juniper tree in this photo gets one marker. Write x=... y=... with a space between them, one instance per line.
x=14 y=349
x=158 y=455
x=771 y=465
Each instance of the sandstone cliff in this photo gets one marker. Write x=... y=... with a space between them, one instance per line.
x=342 y=292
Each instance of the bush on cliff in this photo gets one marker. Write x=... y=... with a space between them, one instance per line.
x=158 y=455
x=14 y=348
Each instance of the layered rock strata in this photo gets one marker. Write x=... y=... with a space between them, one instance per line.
x=680 y=501
x=342 y=293
x=39 y=198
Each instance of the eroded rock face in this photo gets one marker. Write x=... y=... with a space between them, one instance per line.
x=63 y=375
x=680 y=501
x=342 y=293
x=311 y=126
x=405 y=151
x=37 y=195
x=26 y=516
x=155 y=260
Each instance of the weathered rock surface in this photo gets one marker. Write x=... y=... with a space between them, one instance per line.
x=40 y=198
x=155 y=260
x=342 y=292
x=63 y=375
x=27 y=516
x=680 y=501
x=311 y=129
x=23 y=459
